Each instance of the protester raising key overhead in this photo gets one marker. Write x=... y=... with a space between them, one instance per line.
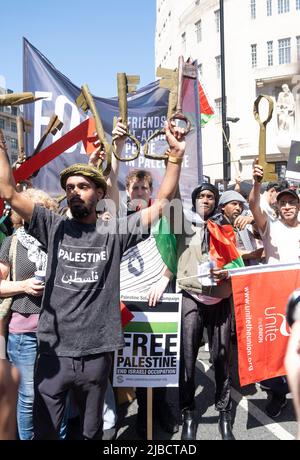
x=80 y=324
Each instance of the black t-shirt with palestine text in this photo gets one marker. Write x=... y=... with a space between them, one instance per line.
x=80 y=312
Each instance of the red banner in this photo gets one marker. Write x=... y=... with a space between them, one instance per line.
x=84 y=132
x=260 y=297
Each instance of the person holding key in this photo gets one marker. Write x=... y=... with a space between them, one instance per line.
x=80 y=321
x=281 y=244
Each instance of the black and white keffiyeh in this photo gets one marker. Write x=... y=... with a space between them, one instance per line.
x=34 y=252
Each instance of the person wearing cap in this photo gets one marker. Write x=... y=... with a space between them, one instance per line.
x=80 y=321
x=281 y=244
x=268 y=199
x=232 y=204
x=203 y=305
x=281 y=236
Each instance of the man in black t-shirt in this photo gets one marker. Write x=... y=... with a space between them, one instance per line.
x=80 y=324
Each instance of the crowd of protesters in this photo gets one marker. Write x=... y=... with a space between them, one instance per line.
x=62 y=333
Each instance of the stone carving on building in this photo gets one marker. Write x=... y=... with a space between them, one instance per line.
x=286 y=107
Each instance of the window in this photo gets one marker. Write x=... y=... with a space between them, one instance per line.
x=280 y=168
x=183 y=40
x=270 y=53
x=269 y=7
x=217 y=20
x=283 y=6
x=284 y=48
x=200 y=70
x=1 y=108
x=13 y=127
x=254 y=55
x=298 y=47
x=218 y=66
x=297 y=4
x=14 y=143
x=253 y=8
x=218 y=110
x=2 y=123
x=198 y=26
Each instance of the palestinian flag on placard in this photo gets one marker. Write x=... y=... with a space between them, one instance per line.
x=222 y=246
x=126 y=315
x=206 y=110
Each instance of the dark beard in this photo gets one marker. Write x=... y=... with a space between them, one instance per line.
x=78 y=212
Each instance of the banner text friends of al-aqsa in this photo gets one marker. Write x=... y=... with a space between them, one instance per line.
x=147 y=110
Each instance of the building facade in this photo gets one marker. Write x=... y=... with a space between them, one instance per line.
x=262 y=56
x=8 y=125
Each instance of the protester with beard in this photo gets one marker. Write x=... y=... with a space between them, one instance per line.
x=203 y=306
x=232 y=205
x=281 y=244
x=80 y=321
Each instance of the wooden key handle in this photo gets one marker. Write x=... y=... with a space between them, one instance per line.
x=133 y=156
x=153 y=156
x=256 y=109
x=181 y=117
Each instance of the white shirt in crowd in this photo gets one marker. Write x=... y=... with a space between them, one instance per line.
x=281 y=242
x=264 y=206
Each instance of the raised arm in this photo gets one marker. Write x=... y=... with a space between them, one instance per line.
x=20 y=203
x=118 y=133
x=170 y=181
x=254 y=198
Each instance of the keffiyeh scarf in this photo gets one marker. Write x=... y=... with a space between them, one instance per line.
x=34 y=252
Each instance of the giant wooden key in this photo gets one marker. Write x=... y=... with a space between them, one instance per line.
x=269 y=168
x=53 y=126
x=86 y=102
x=126 y=84
x=173 y=81
x=169 y=80
x=22 y=127
x=184 y=70
x=18 y=98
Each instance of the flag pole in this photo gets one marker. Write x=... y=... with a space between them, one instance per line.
x=149 y=414
x=225 y=126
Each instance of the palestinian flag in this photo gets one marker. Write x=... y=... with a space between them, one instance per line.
x=223 y=246
x=205 y=109
x=126 y=315
x=166 y=244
